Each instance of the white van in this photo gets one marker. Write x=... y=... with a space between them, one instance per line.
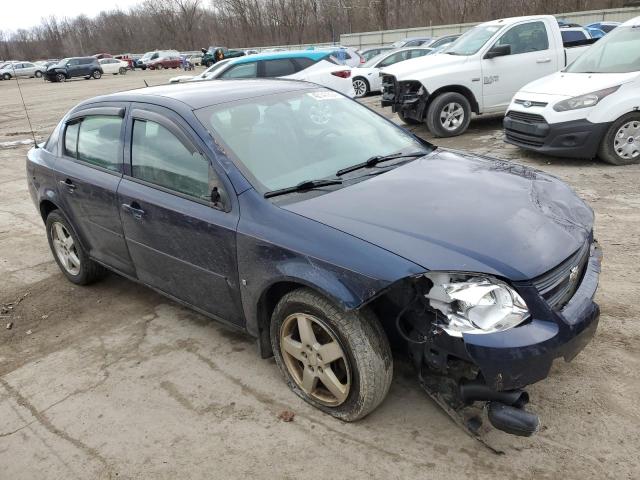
x=591 y=108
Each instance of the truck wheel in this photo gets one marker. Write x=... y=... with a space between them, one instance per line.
x=96 y=74
x=408 y=120
x=621 y=143
x=449 y=115
x=339 y=362
x=68 y=253
x=360 y=86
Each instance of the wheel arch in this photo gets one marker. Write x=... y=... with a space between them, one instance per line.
x=46 y=207
x=461 y=89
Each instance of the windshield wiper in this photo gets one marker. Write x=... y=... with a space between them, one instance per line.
x=303 y=186
x=373 y=161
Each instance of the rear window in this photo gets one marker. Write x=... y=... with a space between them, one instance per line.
x=279 y=68
x=573 y=36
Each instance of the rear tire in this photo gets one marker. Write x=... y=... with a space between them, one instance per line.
x=122 y=71
x=96 y=74
x=449 y=115
x=621 y=144
x=360 y=87
x=72 y=259
x=358 y=367
x=38 y=74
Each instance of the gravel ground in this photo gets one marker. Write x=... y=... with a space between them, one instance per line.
x=115 y=381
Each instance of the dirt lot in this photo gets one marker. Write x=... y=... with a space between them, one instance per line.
x=115 y=381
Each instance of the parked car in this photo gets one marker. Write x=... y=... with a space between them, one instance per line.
x=411 y=42
x=67 y=68
x=164 y=59
x=114 y=66
x=589 y=109
x=479 y=73
x=366 y=79
x=195 y=60
x=127 y=57
x=289 y=240
x=606 y=27
x=20 y=69
x=317 y=66
x=369 y=53
x=442 y=41
x=345 y=55
x=215 y=54
x=209 y=74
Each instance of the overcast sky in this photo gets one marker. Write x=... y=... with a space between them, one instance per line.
x=17 y=14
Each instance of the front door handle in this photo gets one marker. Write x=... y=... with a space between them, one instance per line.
x=134 y=209
x=69 y=185
x=543 y=60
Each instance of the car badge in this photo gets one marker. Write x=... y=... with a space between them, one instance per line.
x=526 y=104
x=573 y=274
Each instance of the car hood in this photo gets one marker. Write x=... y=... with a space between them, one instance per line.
x=452 y=211
x=575 y=84
x=422 y=65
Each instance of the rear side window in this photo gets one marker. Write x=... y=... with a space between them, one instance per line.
x=279 y=68
x=245 y=70
x=71 y=140
x=159 y=157
x=99 y=141
x=573 y=36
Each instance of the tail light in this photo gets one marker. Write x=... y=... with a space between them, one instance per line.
x=342 y=73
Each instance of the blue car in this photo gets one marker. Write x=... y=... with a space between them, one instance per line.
x=331 y=235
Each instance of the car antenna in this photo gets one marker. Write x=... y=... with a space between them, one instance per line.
x=24 y=105
x=145 y=82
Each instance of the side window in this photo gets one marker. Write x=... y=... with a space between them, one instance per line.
x=279 y=68
x=99 y=141
x=525 y=38
x=71 y=139
x=159 y=157
x=245 y=70
x=73 y=62
x=391 y=59
x=417 y=53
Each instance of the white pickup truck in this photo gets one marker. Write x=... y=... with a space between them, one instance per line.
x=480 y=72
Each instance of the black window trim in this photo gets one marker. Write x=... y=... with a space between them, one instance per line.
x=80 y=115
x=146 y=115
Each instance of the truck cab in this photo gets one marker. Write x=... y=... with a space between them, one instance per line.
x=479 y=73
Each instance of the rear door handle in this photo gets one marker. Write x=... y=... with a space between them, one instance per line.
x=134 y=209
x=543 y=60
x=69 y=185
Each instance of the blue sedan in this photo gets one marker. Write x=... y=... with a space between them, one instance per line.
x=330 y=235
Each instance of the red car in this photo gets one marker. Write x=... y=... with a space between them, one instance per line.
x=165 y=60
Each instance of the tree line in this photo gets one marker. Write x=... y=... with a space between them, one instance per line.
x=193 y=24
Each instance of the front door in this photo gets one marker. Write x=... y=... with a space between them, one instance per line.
x=178 y=221
x=88 y=171
x=531 y=58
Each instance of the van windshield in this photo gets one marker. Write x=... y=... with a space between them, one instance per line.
x=473 y=40
x=618 y=52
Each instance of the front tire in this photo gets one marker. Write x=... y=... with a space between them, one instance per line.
x=68 y=253
x=339 y=362
x=449 y=115
x=6 y=76
x=360 y=87
x=621 y=144
x=61 y=77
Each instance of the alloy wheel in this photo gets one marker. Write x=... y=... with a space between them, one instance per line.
x=451 y=116
x=626 y=143
x=360 y=87
x=60 y=77
x=315 y=359
x=65 y=248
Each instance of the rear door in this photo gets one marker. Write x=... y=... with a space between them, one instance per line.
x=88 y=171
x=179 y=222
x=532 y=57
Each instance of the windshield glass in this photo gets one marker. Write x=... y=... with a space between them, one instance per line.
x=63 y=62
x=618 y=52
x=473 y=40
x=321 y=132
x=216 y=66
x=147 y=55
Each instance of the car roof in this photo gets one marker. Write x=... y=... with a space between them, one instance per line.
x=310 y=54
x=203 y=94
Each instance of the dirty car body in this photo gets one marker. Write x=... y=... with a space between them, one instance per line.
x=400 y=239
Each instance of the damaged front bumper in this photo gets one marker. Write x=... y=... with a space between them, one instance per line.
x=409 y=98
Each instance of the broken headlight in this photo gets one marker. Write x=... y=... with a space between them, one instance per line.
x=475 y=303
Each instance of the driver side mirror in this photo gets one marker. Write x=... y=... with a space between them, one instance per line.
x=498 y=51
